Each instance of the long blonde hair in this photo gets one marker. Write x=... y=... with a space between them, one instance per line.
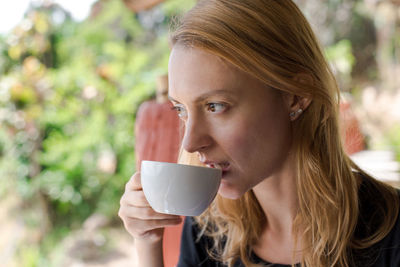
x=272 y=41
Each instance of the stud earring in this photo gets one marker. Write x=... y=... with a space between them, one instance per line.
x=293 y=114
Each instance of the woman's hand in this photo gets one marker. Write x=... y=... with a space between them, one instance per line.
x=140 y=220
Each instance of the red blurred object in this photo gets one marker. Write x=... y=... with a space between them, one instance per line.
x=140 y=5
x=157 y=132
x=352 y=137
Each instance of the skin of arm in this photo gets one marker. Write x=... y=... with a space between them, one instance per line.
x=148 y=255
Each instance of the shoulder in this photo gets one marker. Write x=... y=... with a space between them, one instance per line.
x=374 y=207
x=377 y=202
x=389 y=246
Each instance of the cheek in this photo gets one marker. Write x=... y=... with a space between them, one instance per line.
x=260 y=143
x=234 y=138
x=241 y=143
x=238 y=146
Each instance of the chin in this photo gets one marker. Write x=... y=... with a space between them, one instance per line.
x=229 y=191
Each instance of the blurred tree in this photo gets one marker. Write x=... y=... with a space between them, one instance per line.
x=338 y=20
x=68 y=97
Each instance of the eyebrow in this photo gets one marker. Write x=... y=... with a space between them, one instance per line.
x=207 y=95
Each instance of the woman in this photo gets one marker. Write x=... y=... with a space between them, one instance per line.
x=258 y=100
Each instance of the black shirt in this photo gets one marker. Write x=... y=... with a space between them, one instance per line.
x=385 y=253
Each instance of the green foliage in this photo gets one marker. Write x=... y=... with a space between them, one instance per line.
x=30 y=256
x=68 y=97
x=393 y=139
x=341 y=57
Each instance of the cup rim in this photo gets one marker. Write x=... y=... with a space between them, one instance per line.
x=180 y=164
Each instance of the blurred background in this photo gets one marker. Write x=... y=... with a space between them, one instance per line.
x=72 y=77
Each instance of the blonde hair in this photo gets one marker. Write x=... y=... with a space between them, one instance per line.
x=272 y=41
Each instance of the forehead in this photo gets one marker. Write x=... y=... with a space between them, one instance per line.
x=194 y=71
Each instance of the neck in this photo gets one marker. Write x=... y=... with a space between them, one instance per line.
x=277 y=196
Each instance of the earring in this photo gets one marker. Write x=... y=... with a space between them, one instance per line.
x=293 y=114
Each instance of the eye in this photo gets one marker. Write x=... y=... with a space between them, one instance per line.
x=180 y=110
x=216 y=107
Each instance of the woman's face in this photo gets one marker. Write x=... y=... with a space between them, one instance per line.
x=232 y=120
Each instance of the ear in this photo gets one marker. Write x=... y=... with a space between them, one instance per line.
x=298 y=104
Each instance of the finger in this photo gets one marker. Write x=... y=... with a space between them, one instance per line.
x=134 y=198
x=141 y=226
x=134 y=183
x=146 y=214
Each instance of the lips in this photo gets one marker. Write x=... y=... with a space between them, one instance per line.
x=224 y=166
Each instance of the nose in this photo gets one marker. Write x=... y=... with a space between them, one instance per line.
x=196 y=137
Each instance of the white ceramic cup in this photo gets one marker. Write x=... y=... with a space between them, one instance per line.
x=179 y=189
